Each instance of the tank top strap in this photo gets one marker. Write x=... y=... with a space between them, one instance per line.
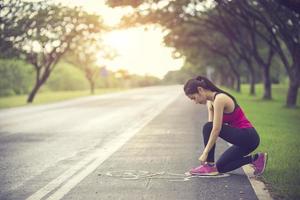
x=216 y=94
x=215 y=97
x=235 y=103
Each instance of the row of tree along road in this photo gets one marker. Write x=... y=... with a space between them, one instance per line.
x=242 y=41
x=236 y=38
x=42 y=34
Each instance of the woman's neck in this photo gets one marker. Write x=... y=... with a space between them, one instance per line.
x=210 y=95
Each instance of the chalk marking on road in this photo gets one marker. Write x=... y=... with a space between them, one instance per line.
x=96 y=158
x=259 y=187
x=163 y=175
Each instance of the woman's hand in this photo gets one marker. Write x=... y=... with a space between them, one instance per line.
x=203 y=158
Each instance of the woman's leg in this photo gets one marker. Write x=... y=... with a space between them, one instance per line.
x=233 y=158
x=244 y=141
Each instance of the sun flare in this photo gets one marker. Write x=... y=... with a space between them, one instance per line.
x=139 y=51
x=119 y=40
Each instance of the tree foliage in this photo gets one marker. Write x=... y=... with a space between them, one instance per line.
x=45 y=32
x=252 y=32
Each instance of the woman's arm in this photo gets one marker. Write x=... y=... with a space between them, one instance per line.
x=219 y=105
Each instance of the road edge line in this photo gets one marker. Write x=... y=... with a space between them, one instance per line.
x=258 y=186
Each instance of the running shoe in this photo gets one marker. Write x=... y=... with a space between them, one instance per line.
x=260 y=164
x=204 y=170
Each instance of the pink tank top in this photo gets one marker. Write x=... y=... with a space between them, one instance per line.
x=236 y=118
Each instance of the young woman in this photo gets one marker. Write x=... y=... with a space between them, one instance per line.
x=227 y=120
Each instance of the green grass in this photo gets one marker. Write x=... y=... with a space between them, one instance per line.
x=279 y=129
x=48 y=97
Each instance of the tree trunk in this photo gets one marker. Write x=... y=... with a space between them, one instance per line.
x=294 y=83
x=237 y=77
x=227 y=81
x=92 y=87
x=33 y=92
x=231 y=82
x=267 y=83
x=238 y=84
x=252 y=83
x=251 y=77
x=291 y=100
x=40 y=80
x=222 y=80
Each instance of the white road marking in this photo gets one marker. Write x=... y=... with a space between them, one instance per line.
x=71 y=177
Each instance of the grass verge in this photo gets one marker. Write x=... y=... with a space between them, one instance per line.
x=279 y=130
x=48 y=97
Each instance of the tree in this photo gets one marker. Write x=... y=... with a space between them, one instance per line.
x=273 y=28
x=287 y=27
x=51 y=31
x=244 y=39
x=282 y=26
x=86 y=55
x=11 y=25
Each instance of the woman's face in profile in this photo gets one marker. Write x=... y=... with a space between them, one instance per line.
x=198 y=98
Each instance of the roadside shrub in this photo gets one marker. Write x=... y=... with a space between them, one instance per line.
x=16 y=77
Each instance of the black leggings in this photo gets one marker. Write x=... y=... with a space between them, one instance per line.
x=244 y=140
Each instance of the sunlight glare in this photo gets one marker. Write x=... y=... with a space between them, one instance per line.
x=140 y=51
x=119 y=40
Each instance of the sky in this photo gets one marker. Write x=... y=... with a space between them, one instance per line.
x=139 y=51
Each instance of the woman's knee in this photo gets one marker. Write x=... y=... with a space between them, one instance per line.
x=207 y=128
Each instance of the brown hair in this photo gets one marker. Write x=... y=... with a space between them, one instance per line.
x=191 y=86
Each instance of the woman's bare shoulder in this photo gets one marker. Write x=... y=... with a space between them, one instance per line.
x=222 y=97
x=226 y=101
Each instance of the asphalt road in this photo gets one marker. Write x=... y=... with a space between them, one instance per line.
x=135 y=144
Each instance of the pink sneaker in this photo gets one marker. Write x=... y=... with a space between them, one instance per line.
x=260 y=163
x=204 y=170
